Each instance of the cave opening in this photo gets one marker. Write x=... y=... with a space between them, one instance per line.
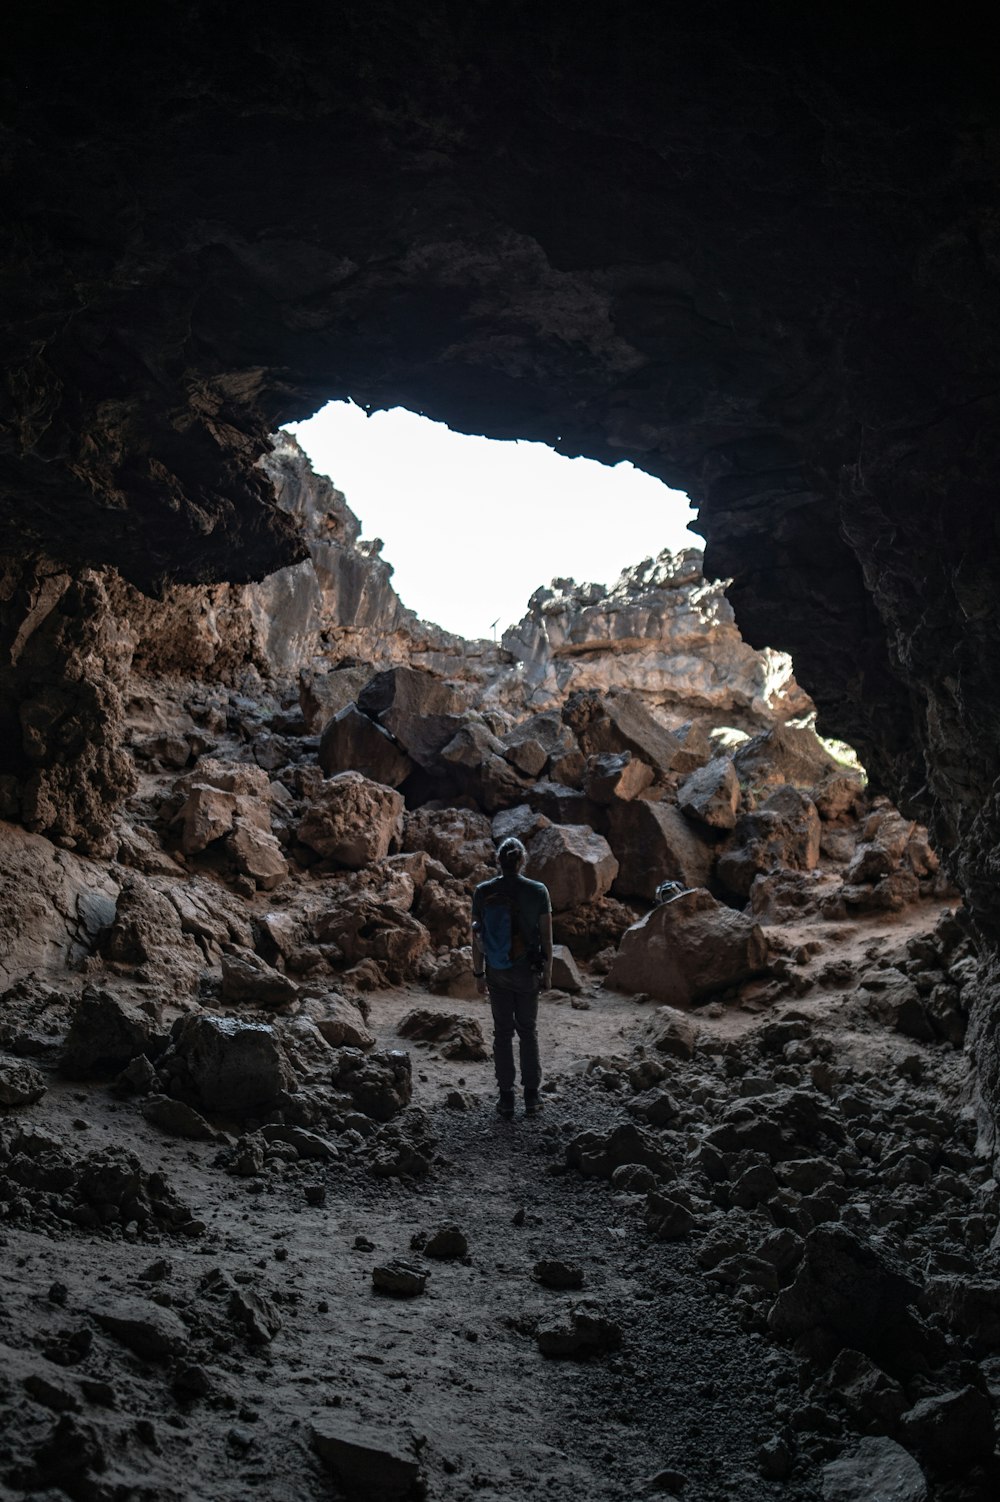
x=472 y=526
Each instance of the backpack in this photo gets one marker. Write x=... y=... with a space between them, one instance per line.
x=500 y=938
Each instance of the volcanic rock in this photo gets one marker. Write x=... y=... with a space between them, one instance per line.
x=877 y=1467
x=364 y=1461
x=575 y=864
x=619 y=721
x=654 y=843
x=105 y=1034
x=380 y=1083
x=352 y=820
x=353 y=742
x=248 y=978
x=616 y=775
x=711 y=794
x=583 y=1332
x=688 y=948
x=225 y=1066
x=455 y=1037
x=20 y=1084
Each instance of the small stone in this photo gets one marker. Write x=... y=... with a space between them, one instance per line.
x=586 y=1331
x=366 y=1463
x=362 y=1244
x=255 y=1315
x=20 y=1084
x=315 y=1194
x=149 y=1331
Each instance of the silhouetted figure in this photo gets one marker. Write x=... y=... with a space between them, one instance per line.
x=512 y=958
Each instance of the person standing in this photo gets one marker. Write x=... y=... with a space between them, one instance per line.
x=512 y=959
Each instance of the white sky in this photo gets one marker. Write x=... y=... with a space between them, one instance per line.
x=473 y=527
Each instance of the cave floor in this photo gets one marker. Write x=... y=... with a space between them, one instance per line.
x=690 y=1391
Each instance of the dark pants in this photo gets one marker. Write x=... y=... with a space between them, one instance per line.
x=514 y=999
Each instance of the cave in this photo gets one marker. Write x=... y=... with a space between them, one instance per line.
x=755 y=255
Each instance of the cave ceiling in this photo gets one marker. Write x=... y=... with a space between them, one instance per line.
x=757 y=258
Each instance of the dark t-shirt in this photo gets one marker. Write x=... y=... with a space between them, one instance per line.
x=531 y=899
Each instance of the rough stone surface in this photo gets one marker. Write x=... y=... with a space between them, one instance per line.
x=877 y=1467
x=352 y=820
x=353 y=742
x=711 y=794
x=688 y=948
x=654 y=842
x=364 y=1462
x=575 y=864
x=226 y=1066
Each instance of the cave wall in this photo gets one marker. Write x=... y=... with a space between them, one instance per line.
x=755 y=254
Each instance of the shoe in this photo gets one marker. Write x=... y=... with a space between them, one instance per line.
x=532 y=1103
x=505 y=1105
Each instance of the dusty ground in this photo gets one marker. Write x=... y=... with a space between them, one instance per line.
x=457 y=1368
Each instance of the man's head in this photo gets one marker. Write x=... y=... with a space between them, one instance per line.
x=511 y=856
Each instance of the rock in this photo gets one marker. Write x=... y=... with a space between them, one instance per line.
x=952 y=1431
x=323 y=694
x=598 y=1154
x=688 y=948
x=674 y=1034
x=380 y=1084
x=520 y=823
x=352 y=820
x=408 y=691
x=667 y=1218
x=446 y=1243
x=575 y=864
x=532 y=743
x=784 y=754
x=459 y=838
x=364 y=928
x=970 y=1307
x=20 y=1084
x=256 y=853
x=876 y=1468
x=454 y=1036
x=654 y=843
x=364 y=1463
x=787 y=896
x=585 y=1331
x=177 y=1119
x=593 y=927
x=552 y=1272
x=149 y=1331
x=619 y=721
x=401 y=1279
x=248 y=978
x=615 y=775
x=341 y=1022
x=850 y=1289
x=254 y=1315
x=565 y=975
x=784 y=832
x=105 y=1034
x=308 y=1145
x=353 y=742
x=206 y=815
x=711 y=794
x=840 y=796
x=869 y=1395
x=226 y=1066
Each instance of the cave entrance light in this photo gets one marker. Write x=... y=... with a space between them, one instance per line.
x=473 y=526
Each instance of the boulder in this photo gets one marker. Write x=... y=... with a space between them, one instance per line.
x=616 y=775
x=453 y=1036
x=256 y=853
x=323 y=694
x=688 y=948
x=367 y=1463
x=594 y=926
x=20 y=1084
x=530 y=745
x=848 y=1288
x=598 y=1153
x=620 y=721
x=105 y=1034
x=380 y=1084
x=562 y=804
x=584 y=1332
x=457 y=837
x=352 y=820
x=353 y=742
x=519 y=823
x=711 y=795
x=147 y=1330
x=840 y=796
x=784 y=754
x=445 y=910
x=248 y=978
x=365 y=928
x=653 y=842
x=340 y=1022
x=952 y=1430
x=565 y=975
x=226 y=1066
x=784 y=832
x=575 y=864
x=877 y=1468
x=421 y=711
x=784 y=896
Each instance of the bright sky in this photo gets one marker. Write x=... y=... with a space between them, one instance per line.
x=473 y=527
